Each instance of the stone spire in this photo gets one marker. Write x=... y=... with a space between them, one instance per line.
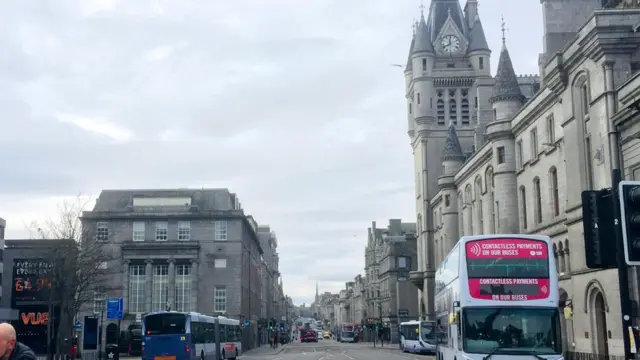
x=452 y=149
x=423 y=37
x=477 y=38
x=506 y=82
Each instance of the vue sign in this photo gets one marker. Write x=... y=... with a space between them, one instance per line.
x=35 y=318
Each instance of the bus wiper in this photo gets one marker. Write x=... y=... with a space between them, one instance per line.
x=535 y=355
x=493 y=352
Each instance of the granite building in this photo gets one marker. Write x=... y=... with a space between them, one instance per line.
x=518 y=159
x=183 y=249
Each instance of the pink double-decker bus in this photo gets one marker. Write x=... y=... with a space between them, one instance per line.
x=497 y=298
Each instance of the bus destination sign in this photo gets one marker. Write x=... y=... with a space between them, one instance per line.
x=508 y=269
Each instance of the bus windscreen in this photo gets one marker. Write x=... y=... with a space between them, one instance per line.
x=507 y=258
x=165 y=324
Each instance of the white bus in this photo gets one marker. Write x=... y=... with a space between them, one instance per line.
x=171 y=335
x=497 y=299
x=418 y=337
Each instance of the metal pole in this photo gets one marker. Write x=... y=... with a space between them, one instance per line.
x=623 y=280
x=100 y=335
x=217 y=337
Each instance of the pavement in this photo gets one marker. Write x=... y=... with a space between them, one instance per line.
x=332 y=350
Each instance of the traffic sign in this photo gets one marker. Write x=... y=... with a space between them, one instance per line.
x=247 y=323
x=78 y=325
x=115 y=307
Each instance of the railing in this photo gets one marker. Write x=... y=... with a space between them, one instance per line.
x=570 y=355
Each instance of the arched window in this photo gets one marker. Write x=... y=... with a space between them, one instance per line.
x=468 y=206
x=561 y=266
x=555 y=193
x=537 y=197
x=581 y=108
x=464 y=111
x=523 y=206
x=491 y=209
x=478 y=204
x=567 y=261
x=440 y=112
x=460 y=214
x=453 y=112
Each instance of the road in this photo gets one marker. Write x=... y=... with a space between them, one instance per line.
x=332 y=350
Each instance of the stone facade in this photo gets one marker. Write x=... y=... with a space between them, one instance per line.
x=532 y=153
x=188 y=250
x=273 y=302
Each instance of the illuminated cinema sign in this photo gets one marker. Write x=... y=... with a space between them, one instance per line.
x=31 y=281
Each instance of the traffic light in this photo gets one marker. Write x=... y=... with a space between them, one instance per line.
x=629 y=195
x=598 y=227
x=270 y=325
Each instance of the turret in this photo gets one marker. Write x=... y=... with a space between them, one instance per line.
x=478 y=51
x=422 y=59
x=506 y=101
x=408 y=78
x=452 y=160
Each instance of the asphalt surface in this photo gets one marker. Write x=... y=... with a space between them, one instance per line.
x=332 y=350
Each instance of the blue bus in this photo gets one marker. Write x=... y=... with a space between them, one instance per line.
x=171 y=335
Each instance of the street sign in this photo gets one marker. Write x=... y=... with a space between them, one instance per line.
x=115 y=307
x=78 y=325
x=247 y=323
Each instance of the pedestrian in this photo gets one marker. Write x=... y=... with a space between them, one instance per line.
x=10 y=348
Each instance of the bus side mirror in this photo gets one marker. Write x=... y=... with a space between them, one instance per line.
x=453 y=318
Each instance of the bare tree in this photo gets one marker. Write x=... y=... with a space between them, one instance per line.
x=76 y=269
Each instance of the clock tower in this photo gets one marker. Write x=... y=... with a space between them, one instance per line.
x=448 y=85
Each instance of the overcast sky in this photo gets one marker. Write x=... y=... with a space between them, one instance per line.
x=291 y=104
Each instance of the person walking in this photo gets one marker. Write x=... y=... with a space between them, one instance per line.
x=10 y=347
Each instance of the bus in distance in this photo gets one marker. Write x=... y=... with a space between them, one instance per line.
x=172 y=335
x=347 y=332
x=497 y=298
x=418 y=337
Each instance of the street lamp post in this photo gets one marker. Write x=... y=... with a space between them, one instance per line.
x=100 y=333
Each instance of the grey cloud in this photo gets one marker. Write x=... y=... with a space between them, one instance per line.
x=293 y=106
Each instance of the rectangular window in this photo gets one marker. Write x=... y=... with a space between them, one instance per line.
x=447 y=200
x=160 y=286
x=499 y=267
x=418 y=98
x=402 y=262
x=162 y=230
x=481 y=63
x=410 y=108
x=137 y=280
x=475 y=102
x=183 y=287
x=424 y=64
x=551 y=130
x=534 y=144
x=99 y=302
x=102 y=231
x=501 y=155
x=166 y=324
x=220 y=263
x=220 y=299
x=220 y=230
x=584 y=93
x=184 y=230
x=589 y=162
x=138 y=231
x=519 y=156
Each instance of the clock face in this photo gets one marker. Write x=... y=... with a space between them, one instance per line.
x=450 y=44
